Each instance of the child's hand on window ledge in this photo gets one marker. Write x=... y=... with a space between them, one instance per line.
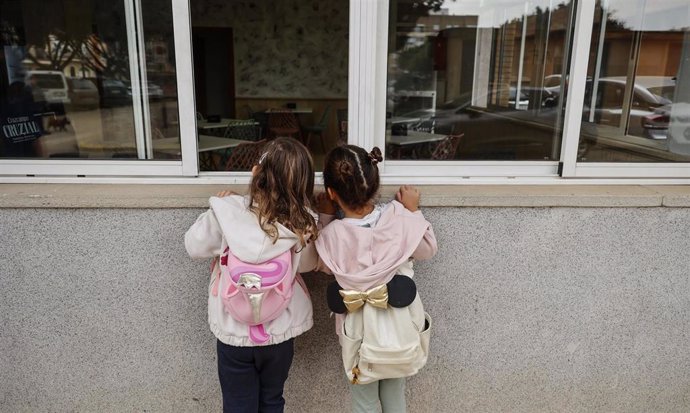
x=323 y=204
x=408 y=195
x=222 y=194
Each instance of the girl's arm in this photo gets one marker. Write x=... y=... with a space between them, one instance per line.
x=409 y=196
x=309 y=260
x=427 y=247
x=204 y=238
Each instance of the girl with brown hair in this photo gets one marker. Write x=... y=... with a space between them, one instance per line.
x=273 y=221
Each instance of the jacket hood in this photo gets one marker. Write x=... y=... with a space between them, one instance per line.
x=241 y=229
x=364 y=257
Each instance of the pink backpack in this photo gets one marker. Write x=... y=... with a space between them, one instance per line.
x=256 y=293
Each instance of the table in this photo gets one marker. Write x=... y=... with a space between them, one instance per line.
x=297 y=111
x=223 y=123
x=413 y=141
x=207 y=144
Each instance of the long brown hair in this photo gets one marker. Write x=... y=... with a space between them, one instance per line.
x=282 y=188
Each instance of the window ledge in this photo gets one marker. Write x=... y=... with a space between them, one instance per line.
x=196 y=196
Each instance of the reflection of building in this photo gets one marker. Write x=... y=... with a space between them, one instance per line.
x=158 y=57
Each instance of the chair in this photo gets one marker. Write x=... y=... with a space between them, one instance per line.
x=199 y=117
x=247 y=130
x=341 y=115
x=283 y=123
x=318 y=128
x=262 y=119
x=244 y=156
x=249 y=111
x=446 y=148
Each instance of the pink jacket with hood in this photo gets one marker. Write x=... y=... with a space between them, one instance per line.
x=364 y=257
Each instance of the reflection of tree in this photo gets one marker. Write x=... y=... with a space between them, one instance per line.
x=434 y=5
x=106 y=60
x=415 y=66
x=58 y=49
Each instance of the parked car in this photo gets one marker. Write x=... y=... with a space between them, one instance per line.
x=450 y=115
x=609 y=104
x=115 y=93
x=83 y=93
x=155 y=92
x=48 y=85
x=668 y=122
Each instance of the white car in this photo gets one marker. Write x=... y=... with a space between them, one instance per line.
x=51 y=83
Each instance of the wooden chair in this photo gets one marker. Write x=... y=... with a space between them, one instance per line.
x=445 y=149
x=244 y=156
x=283 y=123
x=318 y=129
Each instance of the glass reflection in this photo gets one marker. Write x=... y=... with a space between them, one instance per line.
x=476 y=80
x=638 y=85
x=63 y=70
x=66 y=88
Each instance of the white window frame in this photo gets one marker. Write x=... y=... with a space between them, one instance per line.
x=367 y=78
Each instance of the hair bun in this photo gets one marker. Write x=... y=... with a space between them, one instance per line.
x=375 y=155
x=345 y=168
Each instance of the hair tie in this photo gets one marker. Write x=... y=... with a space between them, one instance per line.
x=375 y=155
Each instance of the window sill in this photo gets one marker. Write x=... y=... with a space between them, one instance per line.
x=196 y=196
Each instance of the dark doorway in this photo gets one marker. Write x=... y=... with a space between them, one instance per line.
x=214 y=71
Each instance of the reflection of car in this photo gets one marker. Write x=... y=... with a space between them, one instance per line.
x=669 y=121
x=115 y=93
x=609 y=104
x=552 y=83
x=449 y=116
x=83 y=93
x=51 y=83
x=154 y=91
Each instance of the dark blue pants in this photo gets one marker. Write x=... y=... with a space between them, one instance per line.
x=252 y=378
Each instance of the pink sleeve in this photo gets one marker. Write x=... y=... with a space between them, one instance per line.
x=427 y=247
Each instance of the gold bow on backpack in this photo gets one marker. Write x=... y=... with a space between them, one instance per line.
x=354 y=300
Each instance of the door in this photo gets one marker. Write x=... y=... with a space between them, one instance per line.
x=214 y=71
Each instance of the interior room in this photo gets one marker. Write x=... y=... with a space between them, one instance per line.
x=264 y=69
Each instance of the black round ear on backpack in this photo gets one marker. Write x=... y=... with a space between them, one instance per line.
x=401 y=291
x=334 y=299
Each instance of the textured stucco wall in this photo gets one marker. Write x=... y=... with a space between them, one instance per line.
x=292 y=48
x=535 y=309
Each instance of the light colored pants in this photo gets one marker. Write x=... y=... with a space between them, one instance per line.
x=391 y=393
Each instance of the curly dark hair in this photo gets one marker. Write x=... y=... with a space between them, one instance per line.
x=353 y=174
x=282 y=189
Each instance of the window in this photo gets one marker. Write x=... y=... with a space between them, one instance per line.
x=264 y=69
x=638 y=71
x=94 y=81
x=449 y=89
x=476 y=80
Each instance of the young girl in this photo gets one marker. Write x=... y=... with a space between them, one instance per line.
x=384 y=332
x=253 y=361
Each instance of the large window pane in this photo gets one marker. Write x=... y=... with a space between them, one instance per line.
x=268 y=68
x=638 y=86
x=69 y=87
x=160 y=90
x=476 y=80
